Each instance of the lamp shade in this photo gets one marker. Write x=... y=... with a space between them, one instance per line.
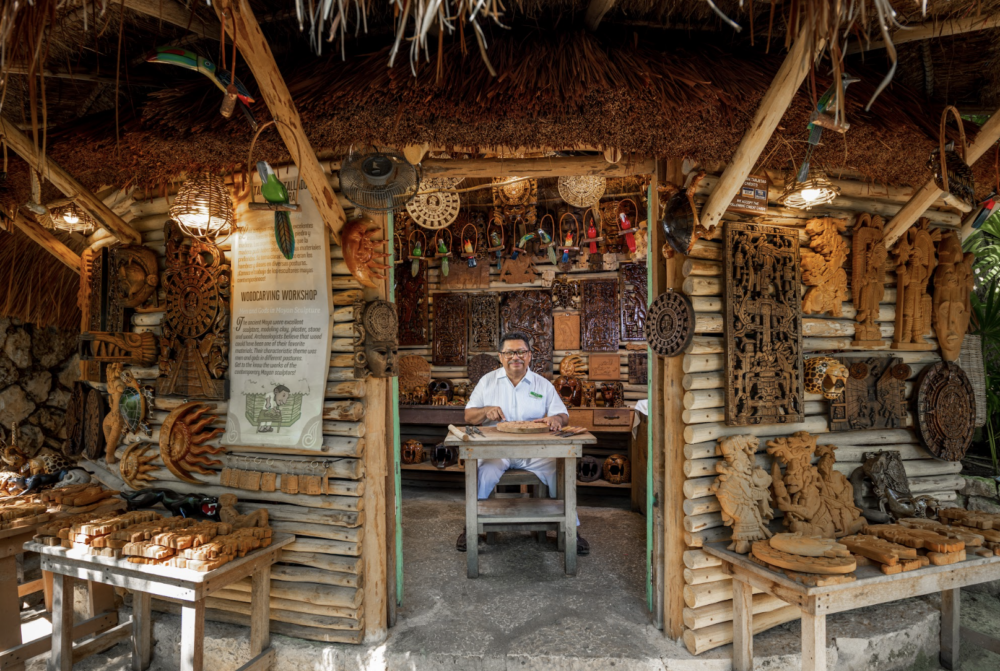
x=817 y=189
x=72 y=218
x=203 y=208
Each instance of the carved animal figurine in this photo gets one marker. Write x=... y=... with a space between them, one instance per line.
x=868 y=276
x=589 y=469
x=439 y=399
x=613 y=394
x=884 y=471
x=823 y=272
x=741 y=488
x=229 y=514
x=915 y=259
x=617 y=469
x=198 y=506
x=16 y=464
x=359 y=251
x=569 y=390
x=953 y=284
x=413 y=452
x=588 y=394
x=114 y=423
x=825 y=375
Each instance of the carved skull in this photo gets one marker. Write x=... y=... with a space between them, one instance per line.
x=74 y=476
x=825 y=375
x=413 y=452
x=617 y=469
x=441 y=387
x=444 y=456
x=588 y=469
x=611 y=392
x=461 y=391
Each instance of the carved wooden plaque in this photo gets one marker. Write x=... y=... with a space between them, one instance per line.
x=638 y=370
x=480 y=365
x=604 y=367
x=451 y=324
x=461 y=276
x=599 y=315
x=670 y=323
x=411 y=297
x=633 y=301
x=565 y=293
x=874 y=396
x=763 y=325
x=567 y=334
x=946 y=410
x=531 y=312
x=484 y=322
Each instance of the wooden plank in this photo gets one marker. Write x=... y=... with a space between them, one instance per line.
x=492 y=450
x=569 y=523
x=29 y=588
x=813 y=642
x=596 y=9
x=742 y=626
x=536 y=167
x=10 y=617
x=192 y=636
x=103 y=641
x=656 y=524
x=61 y=656
x=48 y=242
x=512 y=511
x=373 y=545
x=980 y=640
x=142 y=631
x=14 y=658
x=171 y=11
x=471 y=517
x=242 y=26
x=260 y=610
x=261 y=662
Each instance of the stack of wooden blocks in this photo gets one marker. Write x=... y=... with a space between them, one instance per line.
x=21 y=513
x=986 y=525
x=225 y=548
x=83 y=498
x=78 y=532
x=912 y=544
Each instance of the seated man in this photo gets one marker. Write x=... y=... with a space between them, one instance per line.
x=516 y=394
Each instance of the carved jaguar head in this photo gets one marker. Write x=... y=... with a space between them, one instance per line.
x=825 y=375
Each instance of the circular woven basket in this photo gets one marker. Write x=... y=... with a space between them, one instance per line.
x=72 y=218
x=203 y=209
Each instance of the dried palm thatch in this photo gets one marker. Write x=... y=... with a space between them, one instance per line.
x=34 y=287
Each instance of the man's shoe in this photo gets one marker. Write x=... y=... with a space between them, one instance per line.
x=461 y=544
x=582 y=546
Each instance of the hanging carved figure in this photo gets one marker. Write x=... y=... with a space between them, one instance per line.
x=360 y=255
x=114 y=423
x=953 y=285
x=222 y=79
x=183 y=441
x=868 y=261
x=823 y=272
x=376 y=349
x=741 y=488
x=915 y=259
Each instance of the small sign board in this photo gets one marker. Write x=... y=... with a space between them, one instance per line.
x=752 y=197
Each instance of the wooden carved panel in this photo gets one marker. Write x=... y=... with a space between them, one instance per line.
x=480 y=365
x=874 y=395
x=484 y=322
x=946 y=410
x=461 y=276
x=451 y=325
x=638 y=370
x=530 y=312
x=868 y=257
x=914 y=257
x=411 y=297
x=565 y=293
x=599 y=315
x=567 y=331
x=763 y=325
x=823 y=268
x=633 y=289
x=604 y=367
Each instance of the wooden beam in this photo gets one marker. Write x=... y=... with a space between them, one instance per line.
x=930 y=30
x=562 y=166
x=772 y=107
x=928 y=193
x=173 y=12
x=68 y=184
x=49 y=242
x=596 y=9
x=83 y=76
x=257 y=53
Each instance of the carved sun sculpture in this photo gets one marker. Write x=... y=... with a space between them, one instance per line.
x=136 y=464
x=183 y=439
x=359 y=251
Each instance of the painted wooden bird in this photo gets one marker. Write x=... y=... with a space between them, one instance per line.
x=549 y=247
x=275 y=192
x=415 y=263
x=520 y=245
x=497 y=242
x=470 y=253
x=443 y=249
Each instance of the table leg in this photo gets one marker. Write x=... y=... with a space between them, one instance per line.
x=47 y=590
x=569 y=490
x=472 y=516
x=10 y=607
x=260 y=610
x=950 y=627
x=192 y=635
x=61 y=656
x=142 y=630
x=813 y=642
x=742 y=626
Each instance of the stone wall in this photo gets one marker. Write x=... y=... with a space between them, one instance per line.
x=37 y=369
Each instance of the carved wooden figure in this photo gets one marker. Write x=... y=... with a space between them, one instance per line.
x=567 y=331
x=921 y=539
x=531 y=313
x=376 y=329
x=588 y=394
x=808 y=546
x=883 y=472
x=113 y=421
x=741 y=487
x=638 y=369
x=823 y=270
x=411 y=300
x=825 y=375
x=137 y=349
x=953 y=284
x=613 y=394
x=915 y=258
x=137 y=464
x=360 y=255
x=484 y=322
x=566 y=293
x=184 y=439
x=451 y=327
x=946 y=410
x=878 y=549
x=763 y=325
x=599 y=315
x=874 y=396
x=633 y=301
x=763 y=551
x=868 y=266
x=414 y=376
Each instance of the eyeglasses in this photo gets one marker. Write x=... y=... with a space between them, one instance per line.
x=520 y=354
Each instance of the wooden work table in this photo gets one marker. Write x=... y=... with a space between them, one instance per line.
x=871 y=588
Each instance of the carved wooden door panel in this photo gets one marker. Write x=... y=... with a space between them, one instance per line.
x=484 y=322
x=599 y=316
x=411 y=297
x=531 y=312
x=451 y=325
x=633 y=305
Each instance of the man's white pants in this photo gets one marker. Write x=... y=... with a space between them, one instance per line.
x=490 y=471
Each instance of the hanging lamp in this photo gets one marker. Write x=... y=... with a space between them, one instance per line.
x=816 y=189
x=203 y=209
x=72 y=218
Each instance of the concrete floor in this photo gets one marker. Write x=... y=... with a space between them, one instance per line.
x=524 y=613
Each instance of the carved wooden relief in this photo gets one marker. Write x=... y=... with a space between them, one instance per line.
x=138 y=349
x=530 y=312
x=823 y=269
x=567 y=331
x=461 y=276
x=135 y=278
x=599 y=315
x=484 y=322
x=638 y=370
x=184 y=439
x=914 y=257
x=194 y=348
x=73 y=446
x=94 y=300
x=414 y=376
x=94 y=411
x=519 y=271
x=604 y=367
x=633 y=301
x=480 y=365
x=670 y=323
x=741 y=488
x=874 y=395
x=451 y=326
x=566 y=293
x=946 y=410
x=411 y=297
x=868 y=258
x=763 y=325
x=613 y=394
x=953 y=284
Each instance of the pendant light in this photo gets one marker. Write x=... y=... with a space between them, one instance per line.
x=203 y=209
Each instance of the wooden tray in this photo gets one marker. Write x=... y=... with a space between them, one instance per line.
x=522 y=427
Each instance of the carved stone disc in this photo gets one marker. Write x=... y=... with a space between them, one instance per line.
x=192 y=301
x=670 y=324
x=434 y=210
x=946 y=410
x=582 y=191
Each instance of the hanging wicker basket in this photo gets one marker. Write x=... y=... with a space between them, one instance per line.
x=952 y=173
x=203 y=209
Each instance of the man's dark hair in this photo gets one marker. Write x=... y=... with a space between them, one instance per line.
x=515 y=335
x=280 y=388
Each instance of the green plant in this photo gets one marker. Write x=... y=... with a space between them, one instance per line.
x=984 y=244
x=986 y=319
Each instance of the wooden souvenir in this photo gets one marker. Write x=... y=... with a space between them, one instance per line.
x=522 y=427
x=633 y=301
x=588 y=394
x=566 y=293
x=573 y=365
x=360 y=255
x=531 y=313
x=137 y=349
x=970 y=539
x=809 y=579
x=638 y=368
x=808 y=546
x=518 y=271
x=228 y=514
x=975 y=519
x=93 y=425
x=569 y=390
x=914 y=258
x=183 y=441
x=94 y=302
x=617 y=469
x=137 y=464
x=194 y=348
x=868 y=267
x=741 y=488
x=411 y=301
x=825 y=375
x=953 y=285
x=921 y=539
x=669 y=327
x=462 y=276
x=878 y=549
x=451 y=326
x=763 y=551
x=134 y=279
x=604 y=366
x=599 y=316
x=589 y=469
x=874 y=395
x=134 y=404
x=946 y=410
x=763 y=325
x=376 y=329
x=816 y=500
x=567 y=331
x=823 y=269
x=113 y=421
x=414 y=376
x=882 y=472
x=484 y=322
x=73 y=446
x=480 y=365
x=613 y=394
x=412 y=452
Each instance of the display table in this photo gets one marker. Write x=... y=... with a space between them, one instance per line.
x=189 y=588
x=502 y=514
x=871 y=588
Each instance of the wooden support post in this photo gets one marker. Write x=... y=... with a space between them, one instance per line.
x=742 y=626
x=654 y=424
x=596 y=9
x=142 y=631
x=177 y=14
x=68 y=184
x=61 y=655
x=813 y=642
x=951 y=600
x=49 y=242
x=260 y=610
x=373 y=550
x=192 y=635
x=928 y=193
x=10 y=617
x=257 y=53
x=772 y=107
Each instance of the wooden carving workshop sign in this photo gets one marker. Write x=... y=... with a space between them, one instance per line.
x=281 y=328
x=752 y=198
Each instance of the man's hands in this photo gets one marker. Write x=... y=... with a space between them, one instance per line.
x=555 y=423
x=495 y=414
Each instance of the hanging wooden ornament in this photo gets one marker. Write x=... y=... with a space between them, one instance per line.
x=442 y=250
x=547 y=238
x=569 y=237
x=946 y=410
x=183 y=441
x=360 y=253
x=669 y=325
x=137 y=464
x=289 y=483
x=435 y=210
x=582 y=190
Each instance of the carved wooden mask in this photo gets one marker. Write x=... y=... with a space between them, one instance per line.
x=376 y=328
x=874 y=395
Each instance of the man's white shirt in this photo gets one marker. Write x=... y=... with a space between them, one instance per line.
x=534 y=397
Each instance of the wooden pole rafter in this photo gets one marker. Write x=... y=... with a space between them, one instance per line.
x=49 y=242
x=562 y=166
x=596 y=9
x=931 y=30
x=173 y=12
